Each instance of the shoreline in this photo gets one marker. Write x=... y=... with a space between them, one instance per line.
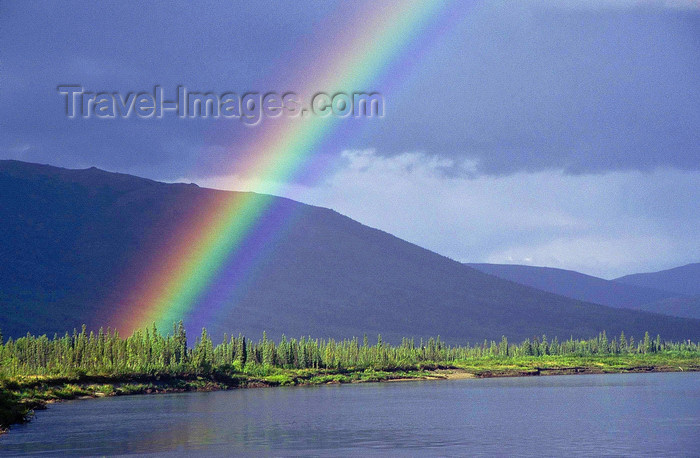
x=37 y=393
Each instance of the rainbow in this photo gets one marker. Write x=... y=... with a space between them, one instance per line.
x=363 y=54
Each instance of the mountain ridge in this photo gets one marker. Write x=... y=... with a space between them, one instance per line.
x=584 y=287
x=78 y=244
x=683 y=280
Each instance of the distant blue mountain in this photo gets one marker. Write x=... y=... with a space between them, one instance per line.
x=687 y=306
x=613 y=293
x=680 y=280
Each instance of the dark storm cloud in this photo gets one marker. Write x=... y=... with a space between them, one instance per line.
x=526 y=88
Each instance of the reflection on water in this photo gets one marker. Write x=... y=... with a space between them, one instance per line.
x=634 y=414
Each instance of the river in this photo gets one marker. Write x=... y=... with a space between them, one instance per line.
x=587 y=415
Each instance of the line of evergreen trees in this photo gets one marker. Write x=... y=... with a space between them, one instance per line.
x=148 y=351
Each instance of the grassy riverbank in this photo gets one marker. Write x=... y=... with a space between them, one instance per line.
x=19 y=395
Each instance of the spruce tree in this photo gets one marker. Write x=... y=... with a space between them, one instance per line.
x=646 y=345
x=241 y=351
x=623 y=342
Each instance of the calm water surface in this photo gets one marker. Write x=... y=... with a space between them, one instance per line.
x=588 y=415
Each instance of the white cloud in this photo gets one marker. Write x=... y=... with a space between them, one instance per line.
x=606 y=255
x=607 y=224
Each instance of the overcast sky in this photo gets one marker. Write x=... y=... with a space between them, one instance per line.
x=559 y=133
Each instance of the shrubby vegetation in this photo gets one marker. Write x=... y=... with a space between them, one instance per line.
x=36 y=370
x=149 y=352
